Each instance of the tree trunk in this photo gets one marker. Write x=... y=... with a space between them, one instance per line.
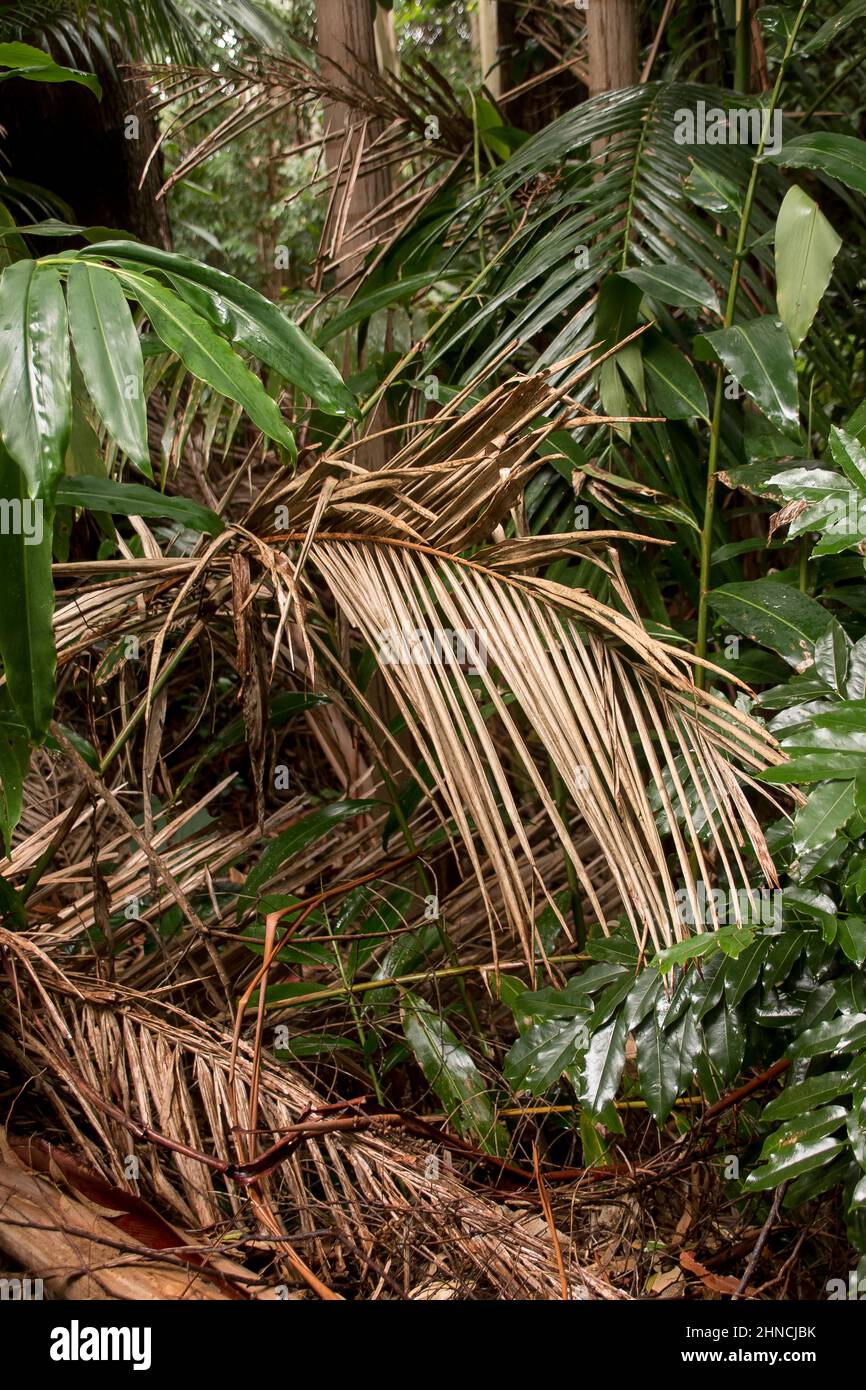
x=347 y=49
x=612 y=29
x=488 y=46
x=90 y=153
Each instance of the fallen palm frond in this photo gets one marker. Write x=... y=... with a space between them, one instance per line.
x=348 y=1200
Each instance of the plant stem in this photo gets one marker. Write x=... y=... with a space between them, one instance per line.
x=730 y=311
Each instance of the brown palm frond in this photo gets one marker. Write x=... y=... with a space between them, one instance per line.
x=348 y=1199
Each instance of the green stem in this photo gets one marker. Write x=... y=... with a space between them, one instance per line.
x=730 y=310
x=743 y=47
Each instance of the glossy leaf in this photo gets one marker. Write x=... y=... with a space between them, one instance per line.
x=675 y=284
x=27 y=607
x=33 y=65
x=305 y=831
x=829 y=807
x=132 y=499
x=109 y=354
x=545 y=1052
x=798 y=1147
x=603 y=1064
x=245 y=316
x=774 y=615
x=674 y=384
x=841 y=157
x=452 y=1073
x=759 y=356
x=35 y=377
x=207 y=355
x=806 y=246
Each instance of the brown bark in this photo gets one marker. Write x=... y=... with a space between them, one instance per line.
x=612 y=30
x=62 y=138
x=347 y=50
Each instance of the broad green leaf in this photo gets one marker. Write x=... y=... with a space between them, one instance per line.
x=27 y=607
x=832 y=28
x=760 y=357
x=798 y=1148
x=775 y=616
x=603 y=1064
x=658 y=1068
x=806 y=246
x=14 y=762
x=675 y=284
x=674 y=384
x=109 y=354
x=132 y=499
x=831 y=656
x=852 y=938
x=849 y=454
x=452 y=1073
x=367 y=304
x=841 y=157
x=33 y=65
x=846 y=1034
x=247 y=318
x=545 y=1052
x=829 y=807
x=841 y=730
x=813 y=767
x=304 y=832
x=35 y=378
x=801 y=1097
x=207 y=355
x=725 y=1038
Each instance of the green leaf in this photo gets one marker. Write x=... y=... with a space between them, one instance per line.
x=675 y=284
x=849 y=454
x=839 y=730
x=545 y=1052
x=452 y=1073
x=775 y=616
x=207 y=355
x=803 y=1096
x=603 y=1064
x=806 y=246
x=841 y=157
x=798 y=1147
x=245 y=316
x=832 y=28
x=35 y=377
x=725 y=1039
x=852 y=938
x=831 y=656
x=675 y=385
x=109 y=354
x=760 y=357
x=813 y=767
x=845 y=1034
x=365 y=305
x=132 y=499
x=658 y=1068
x=27 y=608
x=309 y=828
x=829 y=807
x=14 y=762
x=33 y=65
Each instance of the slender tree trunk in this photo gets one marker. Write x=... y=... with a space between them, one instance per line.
x=90 y=153
x=488 y=46
x=347 y=49
x=612 y=29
